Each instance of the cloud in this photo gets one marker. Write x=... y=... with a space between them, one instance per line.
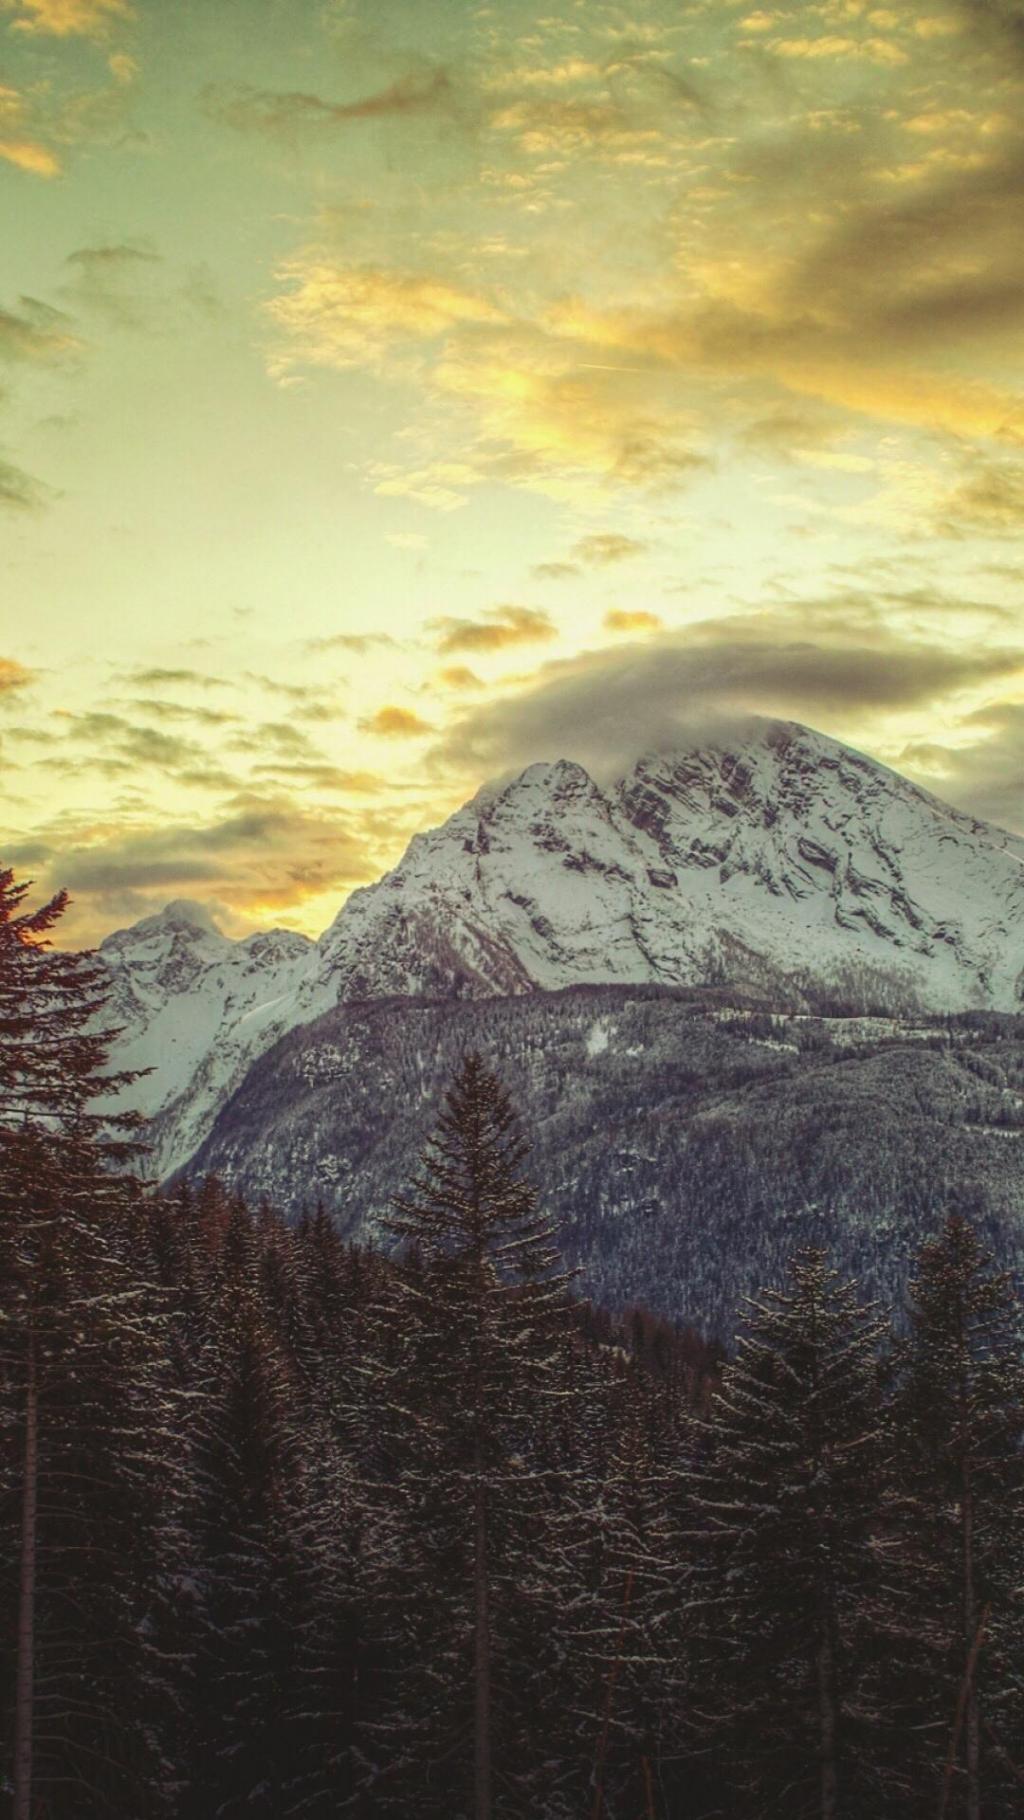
x=606 y=547
x=395 y=723
x=525 y=403
x=184 y=711
x=36 y=333
x=68 y=18
x=314 y=774
x=19 y=144
x=990 y=500
x=115 y=280
x=30 y=155
x=979 y=766
x=602 y=706
x=358 y=642
x=117 y=747
x=619 y=619
x=458 y=676
x=289 y=114
x=13 y=676
x=496 y=631
x=553 y=417
x=832 y=46
x=20 y=490
x=269 y=853
x=342 y=317
x=999 y=23
x=156 y=678
x=555 y=571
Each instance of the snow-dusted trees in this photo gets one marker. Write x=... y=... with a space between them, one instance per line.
x=87 y=1515
x=958 y=1464
x=471 y=1347
x=782 y=1508
x=293 y=1530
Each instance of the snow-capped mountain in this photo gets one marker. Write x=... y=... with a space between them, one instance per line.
x=194 y=1009
x=783 y=862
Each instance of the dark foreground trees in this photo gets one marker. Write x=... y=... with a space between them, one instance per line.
x=288 y=1529
x=785 y=1571
x=958 y=1482
x=475 y=1329
x=89 y=1486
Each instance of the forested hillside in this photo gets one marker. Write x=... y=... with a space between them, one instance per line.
x=291 y=1528
x=688 y=1143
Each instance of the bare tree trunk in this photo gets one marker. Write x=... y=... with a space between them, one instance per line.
x=972 y=1726
x=827 y=1722
x=613 y=1676
x=482 y=1655
x=25 y=1674
x=961 y=1710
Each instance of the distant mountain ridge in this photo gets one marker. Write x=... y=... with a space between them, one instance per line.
x=783 y=864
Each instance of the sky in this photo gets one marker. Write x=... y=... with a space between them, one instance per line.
x=394 y=393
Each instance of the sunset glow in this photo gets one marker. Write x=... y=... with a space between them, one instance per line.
x=396 y=393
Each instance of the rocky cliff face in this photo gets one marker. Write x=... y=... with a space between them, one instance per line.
x=784 y=864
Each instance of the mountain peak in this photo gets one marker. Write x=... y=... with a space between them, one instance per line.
x=767 y=857
x=183 y=917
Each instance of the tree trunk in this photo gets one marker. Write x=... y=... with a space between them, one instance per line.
x=827 y=1722
x=482 y=1656
x=972 y=1727
x=25 y=1674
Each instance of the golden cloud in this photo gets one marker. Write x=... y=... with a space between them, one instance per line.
x=67 y=18
x=13 y=676
x=342 y=317
x=556 y=420
x=30 y=155
x=390 y=722
x=501 y=627
x=268 y=854
x=20 y=147
x=620 y=619
x=871 y=50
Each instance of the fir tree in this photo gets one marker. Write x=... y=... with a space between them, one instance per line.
x=782 y=1508
x=471 y=1348
x=959 y=1529
x=87 y=1539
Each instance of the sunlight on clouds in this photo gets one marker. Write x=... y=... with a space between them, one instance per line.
x=338 y=317
x=395 y=723
x=873 y=50
x=703 y=324
x=29 y=155
x=68 y=18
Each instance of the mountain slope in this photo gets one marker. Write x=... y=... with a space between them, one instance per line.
x=684 y=1145
x=782 y=863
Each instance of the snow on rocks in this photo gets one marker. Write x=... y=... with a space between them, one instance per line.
x=783 y=862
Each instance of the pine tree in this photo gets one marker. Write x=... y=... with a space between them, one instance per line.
x=624 y=1592
x=782 y=1509
x=470 y=1345
x=959 y=1531
x=87 y=1547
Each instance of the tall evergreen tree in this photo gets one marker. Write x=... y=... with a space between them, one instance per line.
x=959 y=1525
x=472 y=1348
x=86 y=1544
x=782 y=1508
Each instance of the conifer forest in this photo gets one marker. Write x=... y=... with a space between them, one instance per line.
x=291 y=1527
